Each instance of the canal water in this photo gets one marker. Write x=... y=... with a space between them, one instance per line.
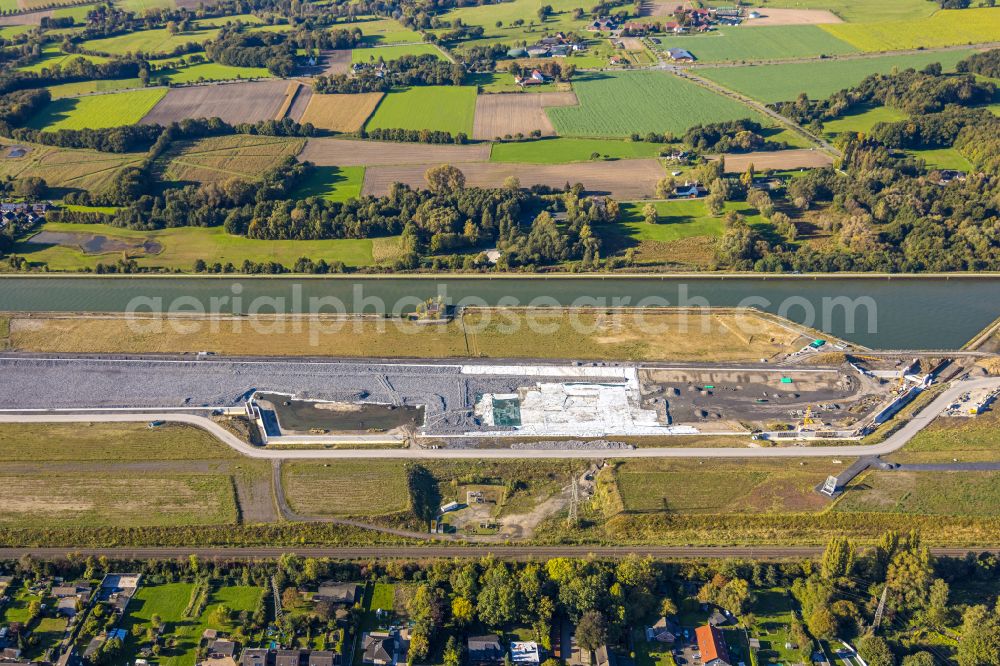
x=898 y=313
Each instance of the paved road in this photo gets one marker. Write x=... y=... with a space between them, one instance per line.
x=507 y=552
x=891 y=443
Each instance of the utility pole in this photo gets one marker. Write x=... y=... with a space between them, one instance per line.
x=880 y=610
x=573 y=518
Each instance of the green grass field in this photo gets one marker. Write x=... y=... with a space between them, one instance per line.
x=944 y=28
x=382 y=31
x=763 y=43
x=772 y=611
x=487 y=15
x=393 y=52
x=78 y=88
x=49 y=631
x=52 y=55
x=563 y=150
x=675 y=220
x=149 y=41
x=622 y=103
x=779 y=83
x=16 y=610
x=943 y=158
x=142 y=6
x=349 y=488
x=182 y=246
x=864 y=11
x=862 y=120
x=445 y=108
x=938 y=494
x=333 y=183
x=97 y=111
x=209 y=71
x=11 y=31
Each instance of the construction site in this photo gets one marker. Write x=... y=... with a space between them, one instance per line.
x=458 y=405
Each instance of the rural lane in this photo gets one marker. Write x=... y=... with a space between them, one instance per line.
x=891 y=443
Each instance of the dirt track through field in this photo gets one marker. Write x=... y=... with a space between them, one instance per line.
x=31 y=18
x=778 y=159
x=346 y=152
x=506 y=114
x=622 y=179
x=771 y=16
x=247 y=102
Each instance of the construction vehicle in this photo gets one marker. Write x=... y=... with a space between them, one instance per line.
x=807 y=420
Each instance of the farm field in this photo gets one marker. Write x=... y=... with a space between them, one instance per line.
x=685 y=487
x=248 y=102
x=862 y=11
x=216 y=159
x=11 y=31
x=149 y=41
x=586 y=335
x=862 y=120
x=778 y=160
x=510 y=114
x=943 y=158
x=67 y=168
x=944 y=28
x=353 y=152
x=98 y=441
x=78 y=88
x=787 y=16
x=340 y=113
x=180 y=247
x=820 y=79
x=445 y=108
x=111 y=500
x=52 y=55
x=935 y=493
x=333 y=183
x=97 y=111
x=349 y=488
x=382 y=31
x=625 y=179
x=762 y=43
x=393 y=52
x=209 y=71
x=562 y=150
x=655 y=102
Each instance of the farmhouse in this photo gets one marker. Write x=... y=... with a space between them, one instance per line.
x=664 y=631
x=680 y=55
x=536 y=78
x=485 y=650
x=603 y=24
x=712 y=645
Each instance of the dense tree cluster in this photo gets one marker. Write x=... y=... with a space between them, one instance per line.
x=407 y=70
x=414 y=136
x=734 y=136
x=915 y=92
x=984 y=63
x=17 y=107
x=931 y=130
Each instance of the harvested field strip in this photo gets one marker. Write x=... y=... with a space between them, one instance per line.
x=340 y=113
x=248 y=102
x=347 y=152
x=773 y=16
x=300 y=103
x=624 y=179
x=100 y=500
x=944 y=28
x=656 y=102
x=290 y=93
x=562 y=150
x=509 y=114
x=820 y=79
x=778 y=160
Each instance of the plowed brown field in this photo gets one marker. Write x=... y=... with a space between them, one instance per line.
x=247 y=102
x=505 y=114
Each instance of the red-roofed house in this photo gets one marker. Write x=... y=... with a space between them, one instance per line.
x=712 y=645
